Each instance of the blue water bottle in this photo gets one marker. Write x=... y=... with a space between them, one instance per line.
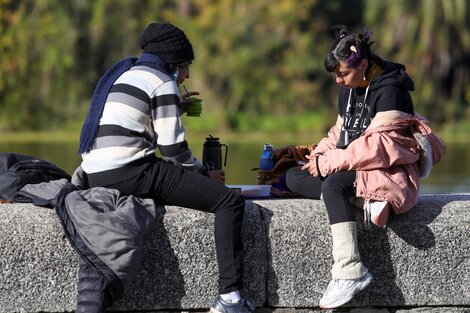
x=266 y=162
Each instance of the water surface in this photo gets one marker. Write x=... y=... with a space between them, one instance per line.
x=452 y=174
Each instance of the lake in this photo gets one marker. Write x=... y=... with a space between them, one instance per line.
x=452 y=174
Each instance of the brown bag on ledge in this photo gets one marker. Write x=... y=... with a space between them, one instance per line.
x=284 y=158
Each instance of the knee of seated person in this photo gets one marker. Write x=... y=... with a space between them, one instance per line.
x=292 y=180
x=237 y=200
x=334 y=187
x=240 y=201
x=328 y=188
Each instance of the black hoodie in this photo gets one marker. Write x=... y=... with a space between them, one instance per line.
x=389 y=91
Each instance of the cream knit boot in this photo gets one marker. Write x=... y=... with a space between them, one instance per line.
x=349 y=274
x=346 y=256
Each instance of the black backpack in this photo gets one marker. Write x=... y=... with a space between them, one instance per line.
x=18 y=170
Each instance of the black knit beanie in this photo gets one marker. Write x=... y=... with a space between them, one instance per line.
x=168 y=42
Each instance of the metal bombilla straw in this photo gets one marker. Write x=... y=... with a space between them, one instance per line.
x=186 y=89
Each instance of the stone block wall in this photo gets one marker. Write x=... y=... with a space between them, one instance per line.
x=420 y=261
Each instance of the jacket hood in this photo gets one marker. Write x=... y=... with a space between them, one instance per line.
x=393 y=74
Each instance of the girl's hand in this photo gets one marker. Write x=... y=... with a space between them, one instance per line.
x=311 y=165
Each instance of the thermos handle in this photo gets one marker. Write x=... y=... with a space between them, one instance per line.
x=226 y=151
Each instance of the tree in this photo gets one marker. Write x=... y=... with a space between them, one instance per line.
x=431 y=37
x=37 y=56
x=258 y=64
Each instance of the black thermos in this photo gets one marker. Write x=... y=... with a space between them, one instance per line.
x=212 y=153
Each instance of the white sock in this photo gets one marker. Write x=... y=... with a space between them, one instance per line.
x=231 y=297
x=348 y=263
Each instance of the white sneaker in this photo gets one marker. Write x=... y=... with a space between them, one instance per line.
x=340 y=291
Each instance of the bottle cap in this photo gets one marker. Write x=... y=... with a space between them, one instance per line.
x=212 y=137
x=268 y=147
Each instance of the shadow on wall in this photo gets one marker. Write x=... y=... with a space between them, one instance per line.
x=256 y=265
x=412 y=228
x=271 y=277
x=376 y=255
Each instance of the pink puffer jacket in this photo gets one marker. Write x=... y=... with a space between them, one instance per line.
x=389 y=160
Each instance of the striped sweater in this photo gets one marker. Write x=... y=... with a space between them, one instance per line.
x=141 y=114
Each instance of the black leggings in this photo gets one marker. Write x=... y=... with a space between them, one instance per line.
x=170 y=184
x=336 y=190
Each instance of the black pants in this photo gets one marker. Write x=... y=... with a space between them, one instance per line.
x=336 y=190
x=169 y=184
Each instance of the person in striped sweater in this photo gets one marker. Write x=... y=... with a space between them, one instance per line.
x=136 y=110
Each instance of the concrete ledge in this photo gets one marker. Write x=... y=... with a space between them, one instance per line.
x=180 y=271
x=420 y=260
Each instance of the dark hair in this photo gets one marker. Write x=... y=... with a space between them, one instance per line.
x=348 y=48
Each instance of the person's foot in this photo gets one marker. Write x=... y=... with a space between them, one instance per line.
x=340 y=291
x=242 y=306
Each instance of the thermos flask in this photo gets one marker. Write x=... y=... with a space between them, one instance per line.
x=212 y=153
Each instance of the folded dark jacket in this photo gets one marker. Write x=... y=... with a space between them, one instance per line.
x=105 y=228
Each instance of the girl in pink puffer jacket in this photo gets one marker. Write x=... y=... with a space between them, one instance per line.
x=377 y=151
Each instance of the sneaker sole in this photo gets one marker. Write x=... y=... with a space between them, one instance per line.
x=347 y=299
x=212 y=310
